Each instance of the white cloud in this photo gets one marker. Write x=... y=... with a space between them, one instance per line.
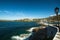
x=54 y=14
x=4 y=11
x=12 y=15
x=15 y=15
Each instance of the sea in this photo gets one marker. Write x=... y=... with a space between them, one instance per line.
x=16 y=30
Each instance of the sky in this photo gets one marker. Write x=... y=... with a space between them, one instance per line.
x=20 y=9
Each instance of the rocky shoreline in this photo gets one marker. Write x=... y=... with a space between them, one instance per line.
x=43 y=33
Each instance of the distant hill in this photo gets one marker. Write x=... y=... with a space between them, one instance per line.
x=49 y=19
x=24 y=20
x=53 y=18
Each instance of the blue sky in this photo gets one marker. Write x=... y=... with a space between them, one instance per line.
x=19 y=9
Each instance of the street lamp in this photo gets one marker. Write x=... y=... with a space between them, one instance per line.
x=56 y=11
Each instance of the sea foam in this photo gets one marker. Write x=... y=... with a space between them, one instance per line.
x=23 y=36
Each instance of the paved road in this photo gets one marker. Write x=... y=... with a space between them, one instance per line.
x=57 y=36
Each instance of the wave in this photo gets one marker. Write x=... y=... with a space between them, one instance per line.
x=23 y=36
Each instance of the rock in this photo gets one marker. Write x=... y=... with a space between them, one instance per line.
x=38 y=34
x=47 y=33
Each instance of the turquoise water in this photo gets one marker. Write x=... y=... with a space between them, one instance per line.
x=9 y=29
